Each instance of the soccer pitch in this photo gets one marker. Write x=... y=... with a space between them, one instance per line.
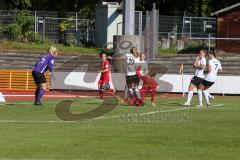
x=169 y=131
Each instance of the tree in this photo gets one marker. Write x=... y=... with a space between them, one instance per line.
x=17 y=4
x=166 y=7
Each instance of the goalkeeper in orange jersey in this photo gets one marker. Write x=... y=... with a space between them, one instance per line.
x=149 y=85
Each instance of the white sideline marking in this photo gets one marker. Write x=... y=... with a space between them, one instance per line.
x=31 y=103
x=20 y=121
x=147 y=113
x=217 y=105
x=53 y=96
x=107 y=117
x=38 y=159
x=222 y=108
x=163 y=111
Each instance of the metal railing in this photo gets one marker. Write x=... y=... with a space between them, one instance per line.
x=19 y=80
x=80 y=27
x=184 y=26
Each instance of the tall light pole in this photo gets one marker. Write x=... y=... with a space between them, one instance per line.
x=43 y=29
x=128 y=17
x=76 y=22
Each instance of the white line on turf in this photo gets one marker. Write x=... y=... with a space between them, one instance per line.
x=107 y=117
x=37 y=159
x=147 y=113
x=53 y=96
x=161 y=111
x=31 y=103
x=217 y=105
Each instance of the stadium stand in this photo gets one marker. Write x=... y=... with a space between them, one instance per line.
x=229 y=61
x=90 y=63
x=63 y=63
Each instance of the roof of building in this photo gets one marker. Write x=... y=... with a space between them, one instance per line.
x=225 y=9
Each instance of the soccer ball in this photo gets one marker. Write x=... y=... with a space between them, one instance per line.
x=106 y=86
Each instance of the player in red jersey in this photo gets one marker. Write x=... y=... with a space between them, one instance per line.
x=149 y=85
x=103 y=83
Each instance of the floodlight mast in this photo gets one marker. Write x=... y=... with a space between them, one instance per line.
x=128 y=17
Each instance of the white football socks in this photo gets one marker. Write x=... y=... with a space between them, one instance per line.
x=126 y=93
x=131 y=92
x=200 y=97
x=206 y=95
x=137 y=93
x=190 y=95
x=210 y=96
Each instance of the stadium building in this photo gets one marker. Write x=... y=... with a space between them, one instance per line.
x=228 y=24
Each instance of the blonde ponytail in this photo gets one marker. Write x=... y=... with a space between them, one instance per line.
x=53 y=51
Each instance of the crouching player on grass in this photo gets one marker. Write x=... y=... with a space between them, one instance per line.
x=41 y=66
x=214 y=66
x=149 y=85
x=103 y=83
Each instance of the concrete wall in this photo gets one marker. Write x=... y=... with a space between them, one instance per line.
x=167 y=83
x=107 y=20
x=123 y=44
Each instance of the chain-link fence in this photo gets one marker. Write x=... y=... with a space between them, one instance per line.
x=185 y=33
x=149 y=34
x=198 y=26
x=170 y=26
x=185 y=26
x=6 y=17
x=71 y=28
x=78 y=28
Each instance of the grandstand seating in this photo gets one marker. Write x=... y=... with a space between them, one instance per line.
x=230 y=63
x=91 y=63
x=63 y=62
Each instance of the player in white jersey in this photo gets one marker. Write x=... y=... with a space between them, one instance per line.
x=144 y=69
x=132 y=80
x=143 y=64
x=199 y=66
x=214 y=66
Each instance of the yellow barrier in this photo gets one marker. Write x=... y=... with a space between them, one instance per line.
x=19 y=80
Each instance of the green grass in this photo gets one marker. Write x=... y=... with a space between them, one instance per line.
x=193 y=49
x=33 y=47
x=28 y=132
x=169 y=51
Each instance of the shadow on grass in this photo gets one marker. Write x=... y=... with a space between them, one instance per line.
x=173 y=104
x=62 y=110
